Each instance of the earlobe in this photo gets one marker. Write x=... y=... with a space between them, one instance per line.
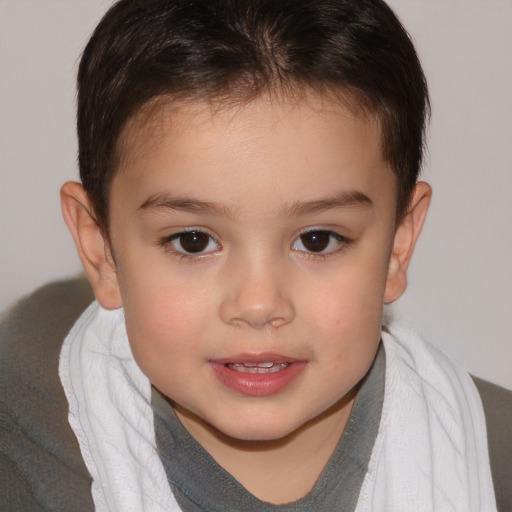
x=92 y=246
x=406 y=235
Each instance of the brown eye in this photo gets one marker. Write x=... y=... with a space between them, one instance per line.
x=319 y=241
x=193 y=242
x=315 y=241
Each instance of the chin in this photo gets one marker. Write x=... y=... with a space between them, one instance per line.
x=259 y=430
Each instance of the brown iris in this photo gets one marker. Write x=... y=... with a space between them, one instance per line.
x=193 y=241
x=315 y=241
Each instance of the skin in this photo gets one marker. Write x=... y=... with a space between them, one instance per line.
x=255 y=178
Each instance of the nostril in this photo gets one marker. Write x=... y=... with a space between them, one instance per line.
x=258 y=323
x=277 y=322
x=236 y=322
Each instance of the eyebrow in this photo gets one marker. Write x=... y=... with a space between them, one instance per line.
x=345 y=199
x=187 y=204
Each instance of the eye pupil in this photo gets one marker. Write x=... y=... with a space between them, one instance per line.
x=194 y=241
x=315 y=241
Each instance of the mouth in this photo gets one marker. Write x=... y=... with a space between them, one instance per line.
x=257 y=375
x=260 y=368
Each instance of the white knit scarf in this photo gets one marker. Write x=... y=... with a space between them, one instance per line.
x=430 y=454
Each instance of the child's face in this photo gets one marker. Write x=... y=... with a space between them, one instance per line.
x=257 y=234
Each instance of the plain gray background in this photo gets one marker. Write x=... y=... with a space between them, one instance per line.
x=460 y=291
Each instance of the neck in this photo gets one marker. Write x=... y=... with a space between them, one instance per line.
x=281 y=470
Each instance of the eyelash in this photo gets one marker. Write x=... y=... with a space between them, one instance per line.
x=167 y=244
x=341 y=240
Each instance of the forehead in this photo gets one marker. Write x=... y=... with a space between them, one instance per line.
x=306 y=146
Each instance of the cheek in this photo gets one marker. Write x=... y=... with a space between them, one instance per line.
x=162 y=298
x=345 y=315
x=351 y=297
x=164 y=321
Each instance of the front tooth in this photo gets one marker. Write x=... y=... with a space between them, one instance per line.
x=257 y=367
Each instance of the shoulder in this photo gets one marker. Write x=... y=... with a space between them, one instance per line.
x=41 y=466
x=51 y=309
x=497 y=404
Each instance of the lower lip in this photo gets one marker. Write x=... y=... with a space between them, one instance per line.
x=257 y=384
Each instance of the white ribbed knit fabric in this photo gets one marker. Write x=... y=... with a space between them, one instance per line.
x=431 y=453
x=110 y=413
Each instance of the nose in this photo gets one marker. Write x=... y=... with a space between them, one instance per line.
x=257 y=297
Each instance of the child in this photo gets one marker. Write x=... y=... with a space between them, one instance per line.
x=249 y=202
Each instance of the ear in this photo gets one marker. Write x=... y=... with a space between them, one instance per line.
x=92 y=246
x=406 y=235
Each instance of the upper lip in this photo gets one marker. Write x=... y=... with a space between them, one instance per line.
x=256 y=358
